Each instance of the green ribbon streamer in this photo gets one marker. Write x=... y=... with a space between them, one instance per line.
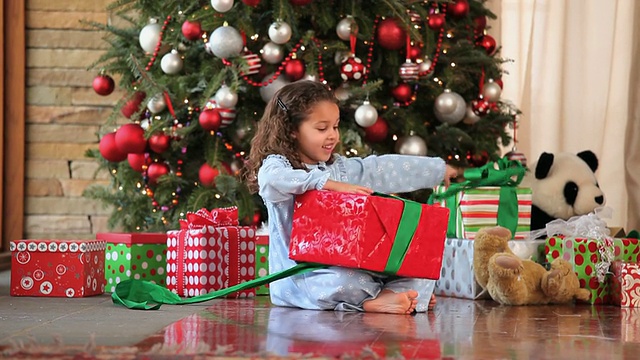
x=505 y=173
x=145 y=295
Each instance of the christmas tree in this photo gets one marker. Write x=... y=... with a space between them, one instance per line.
x=413 y=77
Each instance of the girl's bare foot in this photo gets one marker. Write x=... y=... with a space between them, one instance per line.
x=392 y=303
x=432 y=302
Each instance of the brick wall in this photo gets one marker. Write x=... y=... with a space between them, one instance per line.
x=63 y=114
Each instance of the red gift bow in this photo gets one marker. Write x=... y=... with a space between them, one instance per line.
x=217 y=217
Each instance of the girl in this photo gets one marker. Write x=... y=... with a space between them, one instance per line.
x=292 y=152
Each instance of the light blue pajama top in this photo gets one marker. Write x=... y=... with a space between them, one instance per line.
x=337 y=288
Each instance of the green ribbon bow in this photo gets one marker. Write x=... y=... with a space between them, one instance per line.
x=505 y=173
x=145 y=295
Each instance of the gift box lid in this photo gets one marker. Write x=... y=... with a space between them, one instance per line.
x=54 y=245
x=133 y=238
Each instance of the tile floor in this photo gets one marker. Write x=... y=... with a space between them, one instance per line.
x=457 y=329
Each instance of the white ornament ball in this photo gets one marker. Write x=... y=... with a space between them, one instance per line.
x=342 y=93
x=450 y=107
x=145 y=123
x=411 y=145
x=343 y=29
x=491 y=91
x=424 y=66
x=226 y=42
x=267 y=92
x=366 y=115
x=341 y=56
x=280 y=32
x=226 y=97
x=171 y=63
x=272 y=53
x=309 y=77
x=156 y=104
x=222 y=6
x=149 y=37
x=470 y=117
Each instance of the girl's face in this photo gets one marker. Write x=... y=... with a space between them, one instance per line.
x=318 y=135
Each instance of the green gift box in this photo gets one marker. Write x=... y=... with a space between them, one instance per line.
x=586 y=255
x=262 y=262
x=134 y=256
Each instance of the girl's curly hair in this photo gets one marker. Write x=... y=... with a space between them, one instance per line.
x=284 y=113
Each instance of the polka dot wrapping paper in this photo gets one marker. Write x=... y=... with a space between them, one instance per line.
x=57 y=268
x=625 y=285
x=584 y=254
x=140 y=256
x=210 y=253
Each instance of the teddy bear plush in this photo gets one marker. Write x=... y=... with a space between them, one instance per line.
x=563 y=185
x=514 y=281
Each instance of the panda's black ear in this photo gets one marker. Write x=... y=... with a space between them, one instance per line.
x=590 y=158
x=544 y=165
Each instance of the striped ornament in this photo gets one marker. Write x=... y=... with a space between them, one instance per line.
x=228 y=115
x=253 y=61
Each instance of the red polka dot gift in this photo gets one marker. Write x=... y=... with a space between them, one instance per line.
x=134 y=256
x=210 y=252
x=57 y=268
x=585 y=242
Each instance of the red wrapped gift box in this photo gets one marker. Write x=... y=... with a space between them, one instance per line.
x=359 y=231
x=57 y=268
x=625 y=284
x=209 y=253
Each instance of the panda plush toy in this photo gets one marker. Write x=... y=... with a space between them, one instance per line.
x=563 y=185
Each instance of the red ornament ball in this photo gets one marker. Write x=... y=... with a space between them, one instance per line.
x=391 y=35
x=192 y=30
x=155 y=171
x=488 y=43
x=253 y=3
x=436 y=21
x=459 y=9
x=402 y=93
x=137 y=161
x=109 y=150
x=159 y=143
x=415 y=52
x=132 y=106
x=480 y=22
x=210 y=119
x=300 y=2
x=480 y=106
x=103 y=85
x=377 y=132
x=208 y=175
x=352 y=69
x=130 y=139
x=294 y=70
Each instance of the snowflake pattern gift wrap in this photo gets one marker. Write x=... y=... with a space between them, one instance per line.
x=57 y=268
x=371 y=232
x=134 y=256
x=210 y=252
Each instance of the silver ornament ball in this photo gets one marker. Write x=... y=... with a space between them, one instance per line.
x=309 y=77
x=226 y=42
x=226 y=97
x=450 y=107
x=424 y=66
x=470 y=116
x=343 y=29
x=156 y=104
x=149 y=36
x=280 y=32
x=411 y=145
x=267 y=92
x=272 y=53
x=366 y=115
x=491 y=91
x=222 y=6
x=342 y=93
x=341 y=56
x=171 y=63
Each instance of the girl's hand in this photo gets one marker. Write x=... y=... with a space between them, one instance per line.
x=450 y=172
x=347 y=188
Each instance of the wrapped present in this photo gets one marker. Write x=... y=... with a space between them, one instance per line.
x=210 y=252
x=57 y=268
x=134 y=256
x=625 y=284
x=489 y=196
x=372 y=232
x=262 y=262
x=457 y=277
